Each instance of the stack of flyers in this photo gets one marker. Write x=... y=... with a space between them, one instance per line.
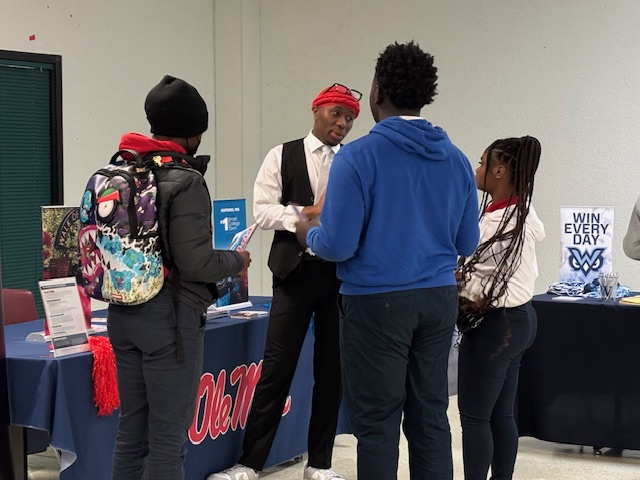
x=247 y=314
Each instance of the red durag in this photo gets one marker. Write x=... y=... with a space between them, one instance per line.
x=329 y=96
x=105 y=385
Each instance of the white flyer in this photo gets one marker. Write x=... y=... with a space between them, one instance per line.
x=64 y=315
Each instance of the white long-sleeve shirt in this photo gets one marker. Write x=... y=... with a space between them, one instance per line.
x=269 y=213
x=520 y=286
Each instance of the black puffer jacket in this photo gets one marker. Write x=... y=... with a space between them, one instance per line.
x=184 y=217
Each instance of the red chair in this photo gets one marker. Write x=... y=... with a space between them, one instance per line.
x=18 y=306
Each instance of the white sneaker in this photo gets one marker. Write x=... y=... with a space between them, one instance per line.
x=312 y=473
x=237 y=472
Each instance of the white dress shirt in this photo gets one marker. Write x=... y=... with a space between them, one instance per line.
x=520 y=286
x=269 y=213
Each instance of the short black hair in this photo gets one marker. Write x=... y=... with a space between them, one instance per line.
x=407 y=75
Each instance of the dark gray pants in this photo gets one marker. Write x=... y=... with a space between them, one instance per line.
x=157 y=393
x=394 y=348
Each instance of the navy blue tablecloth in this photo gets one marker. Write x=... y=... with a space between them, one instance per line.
x=55 y=394
x=579 y=381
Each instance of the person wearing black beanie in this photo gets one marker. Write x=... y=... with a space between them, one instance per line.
x=159 y=344
x=175 y=109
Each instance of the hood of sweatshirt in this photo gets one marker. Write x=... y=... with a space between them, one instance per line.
x=415 y=135
x=495 y=213
x=143 y=145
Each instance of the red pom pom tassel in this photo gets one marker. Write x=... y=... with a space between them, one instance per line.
x=105 y=384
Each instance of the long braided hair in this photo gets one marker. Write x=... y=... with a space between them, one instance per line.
x=521 y=157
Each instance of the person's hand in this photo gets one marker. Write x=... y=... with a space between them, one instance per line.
x=302 y=228
x=314 y=211
x=458 y=274
x=246 y=259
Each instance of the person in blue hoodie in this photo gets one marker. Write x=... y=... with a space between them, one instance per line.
x=400 y=207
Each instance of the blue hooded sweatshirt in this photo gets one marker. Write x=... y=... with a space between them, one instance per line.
x=401 y=205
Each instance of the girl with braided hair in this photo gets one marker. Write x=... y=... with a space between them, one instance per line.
x=496 y=285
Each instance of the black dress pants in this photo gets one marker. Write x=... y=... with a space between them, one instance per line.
x=311 y=291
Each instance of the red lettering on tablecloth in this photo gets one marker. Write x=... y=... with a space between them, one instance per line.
x=217 y=411
x=287 y=406
x=196 y=435
x=246 y=378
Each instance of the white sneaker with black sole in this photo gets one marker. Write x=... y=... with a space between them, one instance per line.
x=238 y=472
x=312 y=473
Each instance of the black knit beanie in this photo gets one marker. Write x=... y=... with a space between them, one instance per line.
x=175 y=109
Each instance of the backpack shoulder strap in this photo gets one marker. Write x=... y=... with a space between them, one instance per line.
x=168 y=159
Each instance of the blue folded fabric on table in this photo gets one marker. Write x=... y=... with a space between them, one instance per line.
x=583 y=289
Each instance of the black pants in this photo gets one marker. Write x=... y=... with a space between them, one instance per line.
x=311 y=290
x=488 y=368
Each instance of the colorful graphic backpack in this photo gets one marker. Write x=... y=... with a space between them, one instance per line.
x=120 y=247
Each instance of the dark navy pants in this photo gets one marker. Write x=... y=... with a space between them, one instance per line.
x=488 y=367
x=395 y=350
x=157 y=393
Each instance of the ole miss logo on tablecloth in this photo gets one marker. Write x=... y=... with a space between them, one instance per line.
x=218 y=411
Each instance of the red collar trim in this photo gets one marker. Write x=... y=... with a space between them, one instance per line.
x=492 y=207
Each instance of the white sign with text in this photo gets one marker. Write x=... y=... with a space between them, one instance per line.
x=586 y=243
x=64 y=315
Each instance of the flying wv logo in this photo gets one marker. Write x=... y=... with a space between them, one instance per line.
x=586 y=261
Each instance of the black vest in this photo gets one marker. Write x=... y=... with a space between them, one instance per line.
x=286 y=253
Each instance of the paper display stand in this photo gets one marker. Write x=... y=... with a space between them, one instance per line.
x=230 y=232
x=64 y=316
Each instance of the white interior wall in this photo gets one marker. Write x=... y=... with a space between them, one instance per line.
x=238 y=99
x=565 y=72
x=113 y=53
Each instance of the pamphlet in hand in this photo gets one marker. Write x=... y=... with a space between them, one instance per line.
x=241 y=239
x=233 y=292
x=298 y=209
